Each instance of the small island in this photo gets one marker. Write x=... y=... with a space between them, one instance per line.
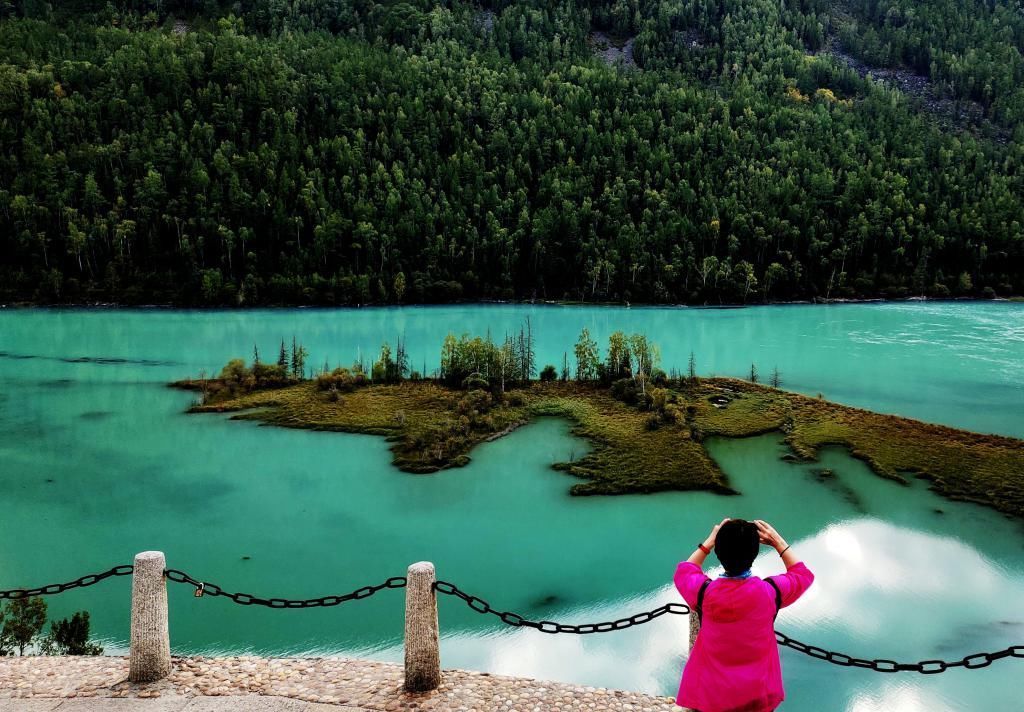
x=646 y=427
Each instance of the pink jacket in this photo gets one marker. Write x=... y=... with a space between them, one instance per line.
x=734 y=665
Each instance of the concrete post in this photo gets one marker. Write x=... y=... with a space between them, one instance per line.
x=422 y=638
x=150 y=652
x=694 y=628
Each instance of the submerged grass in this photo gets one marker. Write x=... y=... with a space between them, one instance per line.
x=432 y=427
x=987 y=469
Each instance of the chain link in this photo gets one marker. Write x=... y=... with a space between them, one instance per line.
x=517 y=621
x=925 y=667
x=203 y=588
x=55 y=588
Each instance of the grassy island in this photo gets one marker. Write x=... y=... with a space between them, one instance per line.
x=646 y=427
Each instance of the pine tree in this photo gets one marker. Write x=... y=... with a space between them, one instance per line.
x=255 y=355
x=516 y=369
x=776 y=379
x=753 y=373
x=531 y=355
x=692 y=371
x=298 y=364
x=282 y=358
x=401 y=361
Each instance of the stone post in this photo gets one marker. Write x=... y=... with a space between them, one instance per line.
x=150 y=652
x=694 y=628
x=422 y=638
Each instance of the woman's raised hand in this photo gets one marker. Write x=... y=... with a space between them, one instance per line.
x=767 y=534
x=710 y=541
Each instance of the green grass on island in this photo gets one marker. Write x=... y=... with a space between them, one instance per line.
x=644 y=437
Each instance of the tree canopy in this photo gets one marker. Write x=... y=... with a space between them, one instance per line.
x=352 y=152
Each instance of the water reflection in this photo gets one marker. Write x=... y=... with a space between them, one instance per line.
x=100 y=462
x=882 y=591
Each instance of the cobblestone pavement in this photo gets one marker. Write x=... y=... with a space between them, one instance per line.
x=72 y=684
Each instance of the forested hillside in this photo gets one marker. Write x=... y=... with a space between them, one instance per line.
x=352 y=151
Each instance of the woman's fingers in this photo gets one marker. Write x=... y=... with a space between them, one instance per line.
x=766 y=532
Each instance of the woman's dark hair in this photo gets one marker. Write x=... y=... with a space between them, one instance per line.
x=736 y=545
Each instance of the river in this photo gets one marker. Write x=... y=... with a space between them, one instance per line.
x=100 y=461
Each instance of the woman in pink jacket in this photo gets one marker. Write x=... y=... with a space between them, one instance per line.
x=734 y=664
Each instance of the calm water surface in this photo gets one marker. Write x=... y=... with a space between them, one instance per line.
x=98 y=461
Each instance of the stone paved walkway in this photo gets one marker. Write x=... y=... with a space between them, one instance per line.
x=42 y=684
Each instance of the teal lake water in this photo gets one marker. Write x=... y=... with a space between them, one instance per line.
x=99 y=461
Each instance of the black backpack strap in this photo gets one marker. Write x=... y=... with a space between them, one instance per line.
x=700 y=598
x=778 y=595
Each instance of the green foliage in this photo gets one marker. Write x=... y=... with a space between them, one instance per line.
x=391 y=369
x=341 y=380
x=587 y=359
x=236 y=377
x=299 y=355
x=645 y=441
x=548 y=373
x=235 y=372
x=70 y=636
x=22 y=620
x=971 y=47
x=347 y=152
x=480 y=363
x=618 y=361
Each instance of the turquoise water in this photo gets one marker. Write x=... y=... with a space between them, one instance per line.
x=98 y=461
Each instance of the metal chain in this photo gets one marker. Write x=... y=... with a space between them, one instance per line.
x=517 y=621
x=925 y=667
x=244 y=599
x=55 y=588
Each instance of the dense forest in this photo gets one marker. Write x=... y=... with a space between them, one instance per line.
x=362 y=151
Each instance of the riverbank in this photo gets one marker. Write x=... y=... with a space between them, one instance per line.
x=340 y=683
x=649 y=444
x=537 y=302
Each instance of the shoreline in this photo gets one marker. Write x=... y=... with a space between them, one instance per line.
x=115 y=306
x=638 y=446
